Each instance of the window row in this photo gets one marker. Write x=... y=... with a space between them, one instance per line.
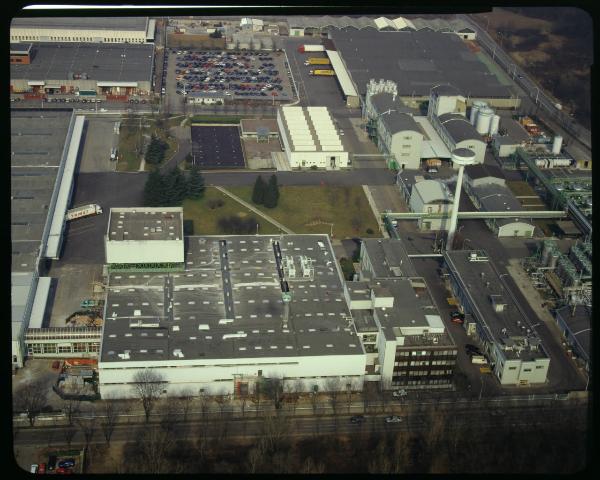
x=43 y=348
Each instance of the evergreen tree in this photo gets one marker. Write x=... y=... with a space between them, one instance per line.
x=258 y=194
x=195 y=186
x=176 y=187
x=273 y=184
x=154 y=190
x=270 y=195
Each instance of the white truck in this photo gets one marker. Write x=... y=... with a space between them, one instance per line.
x=478 y=360
x=83 y=211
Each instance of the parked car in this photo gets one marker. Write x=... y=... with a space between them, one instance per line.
x=357 y=419
x=68 y=463
x=41 y=468
x=399 y=393
x=63 y=471
x=457 y=314
x=457 y=320
x=393 y=419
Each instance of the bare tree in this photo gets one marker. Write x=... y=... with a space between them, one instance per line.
x=257 y=394
x=333 y=386
x=256 y=458
x=351 y=386
x=243 y=402
x=381 y=461
x=384 y=387
x=184 y=401
x=169 y=416
x=87 y=425
x=154 y=445
x=69 y=432
x=71 y=407
x=309 y=466
x=274 y=390
x=148 y=385
x=223 y=399
x=31 y=398
x=274 y=428
x=110 y=411
x=291 y=395
x=204 y=399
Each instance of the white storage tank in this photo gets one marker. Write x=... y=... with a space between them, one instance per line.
x=494 y=125
x=557 y=145
x=484 y=120
x=477 y=105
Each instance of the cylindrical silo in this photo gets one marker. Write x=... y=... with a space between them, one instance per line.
x=484 y=119
x=477 y=105
x=494 y=125
x=556 y=145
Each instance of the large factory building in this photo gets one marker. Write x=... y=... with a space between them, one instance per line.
x=70 y=68
x=83 y=29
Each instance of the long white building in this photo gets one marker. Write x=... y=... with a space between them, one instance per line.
x=310 y=138
x=82 y=29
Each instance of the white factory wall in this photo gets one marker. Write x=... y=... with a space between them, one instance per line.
x=145 y=251
x=318 y=159
x=387 y=357
x=516 y=229
x=406 y=146
x=33 y=34
x=217 y=375
x=417 y=205
x=512 y=372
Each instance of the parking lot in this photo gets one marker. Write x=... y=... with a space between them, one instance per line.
x=100 y=137
x=217 y=146
x=239 y=76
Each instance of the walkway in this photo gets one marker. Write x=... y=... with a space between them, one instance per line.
x=255 y=210
x=375 y=210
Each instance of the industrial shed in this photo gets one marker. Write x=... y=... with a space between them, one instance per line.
x=457 y=132
x=83 y=29
x=496 y=198
x=310 y=138
x=431 y=196
x=123 y=69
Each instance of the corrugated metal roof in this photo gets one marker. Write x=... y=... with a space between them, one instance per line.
x=399 y=122
x=342 y=74
x=458 y=127
x=39 y=304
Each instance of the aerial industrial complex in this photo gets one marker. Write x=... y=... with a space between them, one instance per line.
x=472 y=277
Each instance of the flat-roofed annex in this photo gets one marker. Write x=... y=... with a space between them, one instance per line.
x=227 y=304
x=162 y=223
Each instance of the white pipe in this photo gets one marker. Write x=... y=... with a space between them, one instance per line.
x=454 y=216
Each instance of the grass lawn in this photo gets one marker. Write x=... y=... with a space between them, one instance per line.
x=216 y=119
x=129 y=135
x=311 y=209
x=205 y=219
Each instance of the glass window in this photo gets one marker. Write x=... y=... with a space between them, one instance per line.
x=50 y=348
x=64 y=349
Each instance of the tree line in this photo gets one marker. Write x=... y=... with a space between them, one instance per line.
x=170 y=189
x=266 y=193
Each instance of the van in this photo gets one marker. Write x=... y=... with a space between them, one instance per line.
x=34 y=468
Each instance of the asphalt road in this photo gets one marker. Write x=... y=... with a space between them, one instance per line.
x=480 y=414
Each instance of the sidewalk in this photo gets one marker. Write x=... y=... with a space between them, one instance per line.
x=255 y=210
x=371 y=201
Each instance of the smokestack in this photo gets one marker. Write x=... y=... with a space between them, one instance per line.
x=460 y=157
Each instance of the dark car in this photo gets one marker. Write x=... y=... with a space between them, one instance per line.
x=51 y=462
x=68 y=463
x=357 y=419
x=457 y=314
x=474 y=348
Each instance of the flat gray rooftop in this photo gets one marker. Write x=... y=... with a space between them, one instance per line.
x=37 y=143
x=389 y=258
x=129 y=224
x=199 y=325
x=102 y=62
x=91 y=23
x=498 y=198
x=578 y=321
x=416 y=61
x=483 y=284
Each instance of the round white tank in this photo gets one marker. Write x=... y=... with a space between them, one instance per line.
x=477 y=105
x=556 y=145
x=494 y=125
x=484 y=120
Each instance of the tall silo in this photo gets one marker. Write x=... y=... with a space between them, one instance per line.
x=477 y=105
x=484 y=120
x=494 y=125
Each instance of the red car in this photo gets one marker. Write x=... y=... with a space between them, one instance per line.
x=41 y=468
x=458 y=320
x=63 y=471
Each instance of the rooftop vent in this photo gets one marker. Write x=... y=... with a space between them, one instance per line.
x=178 y=353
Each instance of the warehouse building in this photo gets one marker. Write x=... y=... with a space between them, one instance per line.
x=138 y=237
x=486 y=187
x=432 y=197
x=44 y=149
x=70 y=68
x=405 y=340
x=20 y=53
x=310 y=138
x=456 y=131
x=245 y=310
x=516 y=353
x=442 y=59
x=384 y=258
x=82 y=29
x=575 y=325
x=392 y=126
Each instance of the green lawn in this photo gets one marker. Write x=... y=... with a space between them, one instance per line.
x=205 y=219
x=129 y=161
x=311 y=209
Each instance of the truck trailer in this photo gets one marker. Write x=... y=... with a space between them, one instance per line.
x=311 y=48
x=327 y=73
x=317 y=61
x=83 y=211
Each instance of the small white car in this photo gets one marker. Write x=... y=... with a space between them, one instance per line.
x=393 y=419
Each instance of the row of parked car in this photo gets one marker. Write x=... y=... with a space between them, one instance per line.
x=233 y=73
x=62 y=467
